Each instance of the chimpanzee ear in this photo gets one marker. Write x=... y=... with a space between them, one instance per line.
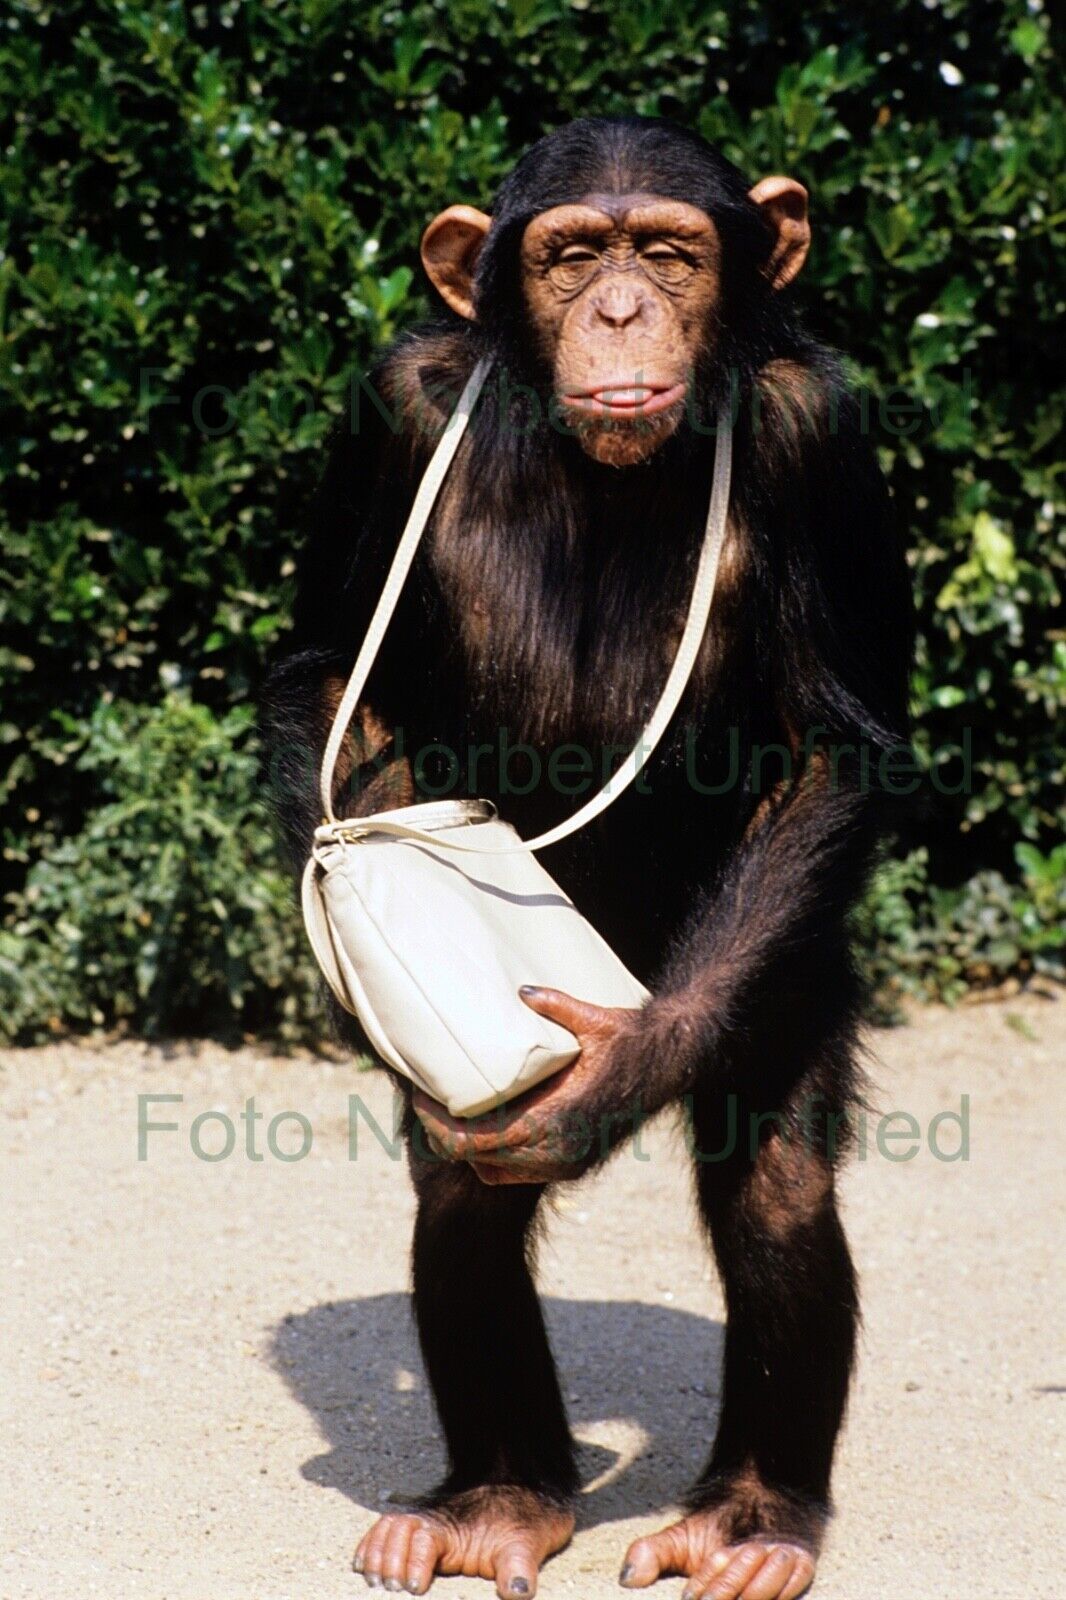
x=783 y=203
x=450 y=248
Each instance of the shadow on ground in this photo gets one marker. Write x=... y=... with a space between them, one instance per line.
x=640 y=1382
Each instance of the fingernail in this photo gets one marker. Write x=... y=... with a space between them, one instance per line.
x=528 y=989
x=519 y=1586
x=393 y=1585
x=626 y=1574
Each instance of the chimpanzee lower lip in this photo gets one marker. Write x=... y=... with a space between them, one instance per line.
x=627 y=400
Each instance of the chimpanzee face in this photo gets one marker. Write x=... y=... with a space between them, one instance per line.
x=623 y=297
x=621 y=292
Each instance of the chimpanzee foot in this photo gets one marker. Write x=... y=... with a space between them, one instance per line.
x=736 y=1549
x=501 y=1532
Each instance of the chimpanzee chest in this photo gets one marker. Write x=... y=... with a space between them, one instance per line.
x=594 y=671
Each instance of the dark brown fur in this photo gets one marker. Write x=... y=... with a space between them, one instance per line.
x=544 y=608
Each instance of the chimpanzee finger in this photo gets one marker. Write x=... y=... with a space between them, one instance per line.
x=801 y=1579
x=738 y=1574
x=462 y=1137
x=395 y=1556
x=450 y=1133
x=496 y=1175
x=655 y=1556
x=423 y=1555
x=578 y=1016
x=700 y=1581
x=772 y=1577
x=369 y=1555
x=642 y=1565
x=516 y=1571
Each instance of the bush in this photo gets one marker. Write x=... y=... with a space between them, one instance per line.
x=167 y=912
x=210 y=221
x=936 y=943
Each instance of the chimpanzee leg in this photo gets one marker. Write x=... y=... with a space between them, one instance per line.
x=792 y=1308
x=760 y=1507
x=503 y=1507
x=482 y=1333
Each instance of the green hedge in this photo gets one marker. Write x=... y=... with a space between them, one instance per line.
x=210 y=220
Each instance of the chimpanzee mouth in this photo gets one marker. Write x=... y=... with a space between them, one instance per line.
x=627 y=401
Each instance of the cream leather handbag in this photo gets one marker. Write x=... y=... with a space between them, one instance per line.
x=427 y=920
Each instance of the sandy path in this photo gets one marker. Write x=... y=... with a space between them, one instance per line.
x=210 y=1378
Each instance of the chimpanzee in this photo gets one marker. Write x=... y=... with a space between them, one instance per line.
x=627 y=283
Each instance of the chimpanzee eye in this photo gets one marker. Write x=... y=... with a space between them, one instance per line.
x=668 y=264
x=572 y=266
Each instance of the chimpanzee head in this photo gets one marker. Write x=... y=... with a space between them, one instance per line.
x=619 y=256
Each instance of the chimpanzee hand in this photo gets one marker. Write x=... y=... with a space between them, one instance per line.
x=560 y=1128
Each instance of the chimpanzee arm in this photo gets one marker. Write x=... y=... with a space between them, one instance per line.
x=764 y=971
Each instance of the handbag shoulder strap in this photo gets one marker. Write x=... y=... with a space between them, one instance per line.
x=677 y=679
x=699 y=610
x=414 y=528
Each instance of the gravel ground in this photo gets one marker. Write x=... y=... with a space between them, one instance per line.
x=210 y=1380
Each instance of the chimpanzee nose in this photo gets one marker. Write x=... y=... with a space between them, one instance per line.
x=619 y=304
